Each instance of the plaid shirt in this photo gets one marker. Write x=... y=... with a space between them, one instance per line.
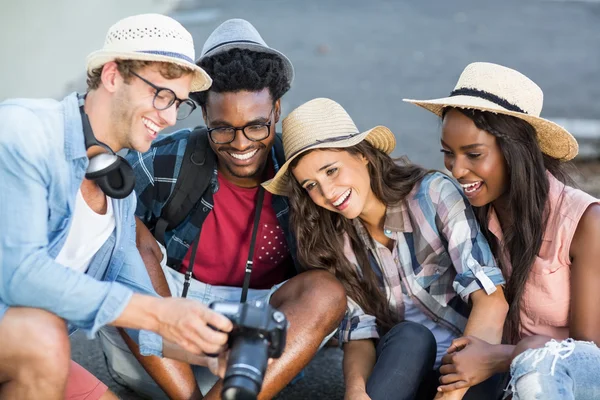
x=440 y=258
x=156 y=172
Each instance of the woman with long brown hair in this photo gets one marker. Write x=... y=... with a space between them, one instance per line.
x=545 y=234
x=403 y=241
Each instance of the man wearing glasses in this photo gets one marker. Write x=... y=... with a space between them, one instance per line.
x=240 y=111
x=68 y=258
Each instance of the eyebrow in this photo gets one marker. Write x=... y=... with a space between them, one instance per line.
x=258 y=120
x=320 y=169
x=467 y=147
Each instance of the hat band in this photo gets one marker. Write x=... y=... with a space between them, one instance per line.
x=167 y=54
x=321 y=141
x=232 y=41
x=482 y=94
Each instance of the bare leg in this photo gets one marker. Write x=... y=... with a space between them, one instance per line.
x=34 y=355
x=314 y=302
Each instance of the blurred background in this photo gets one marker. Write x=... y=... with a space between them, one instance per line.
x=367 y=55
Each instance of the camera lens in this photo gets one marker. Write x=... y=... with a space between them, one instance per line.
x=245 y=368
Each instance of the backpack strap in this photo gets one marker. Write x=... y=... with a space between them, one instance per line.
x=278 y=146
x=193 y=180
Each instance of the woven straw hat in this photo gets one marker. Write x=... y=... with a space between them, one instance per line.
x=501 y=90
x=322 y=123
x=150 y=37
x=240 y=34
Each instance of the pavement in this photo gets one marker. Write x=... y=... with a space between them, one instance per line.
x=365 y=55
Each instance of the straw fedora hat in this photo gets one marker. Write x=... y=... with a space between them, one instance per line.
x=322 y=123
x=150 y=37
x=238 y=33
x=501 y=90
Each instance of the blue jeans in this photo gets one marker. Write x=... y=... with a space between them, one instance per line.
x=404 y=368
x=567 y=370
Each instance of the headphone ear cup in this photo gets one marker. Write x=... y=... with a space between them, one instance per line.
x=119 y=182
x=102 y=164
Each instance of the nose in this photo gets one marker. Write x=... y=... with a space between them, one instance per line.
x=458 y=168
x=327 y=190
x=169 y=115
x=240 y=141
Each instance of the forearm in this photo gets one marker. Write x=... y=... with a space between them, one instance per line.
x=152 y=256
x=141 y=313
x=175 y=378
x=486 y=322
x=359 y=359
x=487 y=317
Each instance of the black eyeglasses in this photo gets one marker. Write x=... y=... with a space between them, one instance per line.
x=254 y=132
x=165 y=98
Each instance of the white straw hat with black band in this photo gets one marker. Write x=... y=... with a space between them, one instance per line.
x=150 y=37
x=501 y=90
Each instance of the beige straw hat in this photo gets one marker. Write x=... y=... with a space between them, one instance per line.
x=501 y=90
x=150 y=37
x=322 y=123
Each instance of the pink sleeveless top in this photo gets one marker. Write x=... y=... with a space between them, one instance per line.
x=546 y=300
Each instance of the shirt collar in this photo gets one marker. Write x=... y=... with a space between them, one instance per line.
x=396 y=221
x=74 y=140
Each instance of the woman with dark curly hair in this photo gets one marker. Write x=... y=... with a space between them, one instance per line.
x=545 y=234
x=403 y=241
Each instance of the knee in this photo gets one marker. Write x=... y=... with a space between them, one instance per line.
x=323 y=292
x=418 y=336
x=317 y=291
x=44 y=340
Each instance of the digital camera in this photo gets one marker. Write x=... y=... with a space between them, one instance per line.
x=259 y=333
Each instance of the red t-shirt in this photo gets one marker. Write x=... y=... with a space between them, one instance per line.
x=225 y=241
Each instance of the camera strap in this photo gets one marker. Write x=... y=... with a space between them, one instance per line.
x=259 y=202
x=248 y=272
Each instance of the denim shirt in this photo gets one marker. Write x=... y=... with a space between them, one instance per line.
x=42 y=165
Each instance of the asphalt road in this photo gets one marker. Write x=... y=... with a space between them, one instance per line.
x=370 y=55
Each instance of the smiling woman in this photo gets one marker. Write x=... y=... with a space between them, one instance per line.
x=401 y=239
x=545 y=233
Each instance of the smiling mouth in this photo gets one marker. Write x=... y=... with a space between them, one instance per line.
x=243 y=156
x=472 y=188
x=152 y=128
x=342 y=200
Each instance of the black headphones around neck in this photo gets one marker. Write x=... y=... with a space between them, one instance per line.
x=109 y=170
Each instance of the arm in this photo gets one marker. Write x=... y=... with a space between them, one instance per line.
x=175 y=378
x=359 y=359
x=357 y=332
x=29 y=276
x=466 y=365
x=478 y=281
x=584 y=322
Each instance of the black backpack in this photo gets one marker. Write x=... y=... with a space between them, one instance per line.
x=196 y=171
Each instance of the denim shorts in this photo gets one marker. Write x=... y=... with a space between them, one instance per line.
x=567 y=370
x=122 y=364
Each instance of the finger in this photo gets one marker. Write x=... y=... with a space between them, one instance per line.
x=448 y=369
x=188 y=346
x=458 y=344
x=453 y=386
x=203 y=347
x=209 y=335
x=215 y=319
x=450 y=378
x=447 y=359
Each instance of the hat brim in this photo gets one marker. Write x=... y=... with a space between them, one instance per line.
x=287 y=64
x=200 y=82
x=554 y=140
x=379 y=137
